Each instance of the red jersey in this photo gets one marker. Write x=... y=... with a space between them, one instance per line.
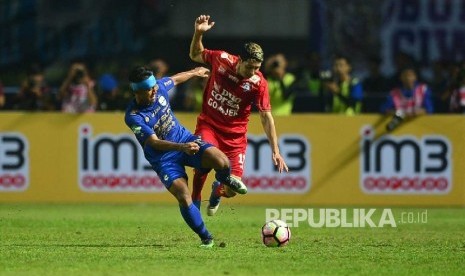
x=228 y=98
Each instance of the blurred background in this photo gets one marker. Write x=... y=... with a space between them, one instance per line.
x=40 y=40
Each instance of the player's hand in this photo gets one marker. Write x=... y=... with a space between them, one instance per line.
x=332 y=87
x=190 y=148
x=202 y=23
x=202 y=72
x=279 y=162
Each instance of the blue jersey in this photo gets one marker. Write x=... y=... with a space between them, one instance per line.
x=158 y=119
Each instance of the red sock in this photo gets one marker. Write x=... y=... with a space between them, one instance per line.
x=219 y=191
x=197 y=186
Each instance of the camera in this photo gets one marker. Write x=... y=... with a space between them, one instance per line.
x=79 y=74
x=32 y=82
x=396 y=120
x=275 y=64
x=326 y=75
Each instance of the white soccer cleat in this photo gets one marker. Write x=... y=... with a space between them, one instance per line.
x=211 y=210
x=214 y=201
x=236 y=185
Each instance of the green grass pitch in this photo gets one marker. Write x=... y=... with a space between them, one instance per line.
x=94 y=239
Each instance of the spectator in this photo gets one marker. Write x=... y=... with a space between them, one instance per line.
x=2 y=96
x=375 y=82
x=402 y=60
x=439 y=86
x=77 y=91
x=34 y=93
x=279 y=85
x=108 y=94
x=194 y=94
x=457 y=98
x=160 y=69
x=308 y=85
x=453 y=70
x=410 y=99
x=345 y=92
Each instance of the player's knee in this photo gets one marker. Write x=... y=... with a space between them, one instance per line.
x=201 y=171
x=184 y=199
x=223 y=161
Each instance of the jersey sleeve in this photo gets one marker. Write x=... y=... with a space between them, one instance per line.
x=141 y=130
x=262 y=98
x=209 y=56
x=166 y=83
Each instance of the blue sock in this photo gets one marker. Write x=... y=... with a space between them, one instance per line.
x=222 y=175
x=193 y=218
x=196 y=203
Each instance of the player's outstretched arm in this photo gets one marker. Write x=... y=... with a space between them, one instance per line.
x=201 y=72
x=201 y=25
x=189 y=148
x=268 y=126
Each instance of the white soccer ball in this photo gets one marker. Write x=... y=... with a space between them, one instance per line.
x=276 y=233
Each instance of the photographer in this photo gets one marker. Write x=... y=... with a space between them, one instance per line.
x=34 y=94
x=411 y=99
x=345 y=92
x=77 y=91
x=279 y=85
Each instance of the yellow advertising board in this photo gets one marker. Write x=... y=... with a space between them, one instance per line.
x=334 y=160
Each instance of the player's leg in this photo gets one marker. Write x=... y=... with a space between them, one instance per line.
x=174 y=177
x=200 y=175
x=189 y=211
x=211 y=157
x=219 y=189
x=217 y=160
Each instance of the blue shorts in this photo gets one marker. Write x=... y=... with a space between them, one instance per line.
x=173 y=167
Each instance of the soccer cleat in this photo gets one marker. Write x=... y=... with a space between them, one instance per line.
x=207 y=243
x=214 y=201
x=236 y=185
x=211 y=210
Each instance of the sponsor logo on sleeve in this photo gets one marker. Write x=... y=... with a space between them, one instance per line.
x=136 y=129
x=168 y=82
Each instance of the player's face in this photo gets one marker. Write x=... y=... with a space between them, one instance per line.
x=146 y=97
x=248 y=68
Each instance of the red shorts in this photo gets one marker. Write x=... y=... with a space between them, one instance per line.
x=232 y=144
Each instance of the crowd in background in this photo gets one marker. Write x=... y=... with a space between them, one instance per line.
x=303 y=86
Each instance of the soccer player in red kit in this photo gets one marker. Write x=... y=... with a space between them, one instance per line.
x=234 y=85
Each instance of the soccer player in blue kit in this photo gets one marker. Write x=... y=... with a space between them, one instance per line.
x=169 y=147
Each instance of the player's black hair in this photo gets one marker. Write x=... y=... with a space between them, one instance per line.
x=252 y=51
x=139 y=73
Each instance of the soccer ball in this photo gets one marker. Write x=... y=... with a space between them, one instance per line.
x=276 y=233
